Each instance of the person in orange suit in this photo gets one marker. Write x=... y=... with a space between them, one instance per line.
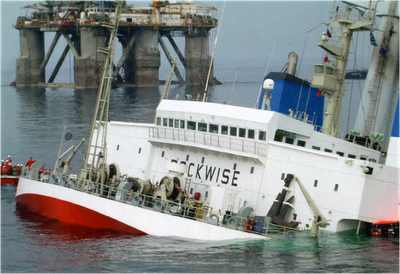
x=30 y=162
x=9 y=165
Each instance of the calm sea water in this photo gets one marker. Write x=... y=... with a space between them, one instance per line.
x=32 y=122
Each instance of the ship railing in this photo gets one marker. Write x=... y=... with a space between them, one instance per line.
x=197 y=211
x=210 y=139
x=192 y=209
x=353 y=138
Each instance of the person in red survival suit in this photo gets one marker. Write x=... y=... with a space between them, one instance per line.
x=2 y=165
x=4 y=170
x=30 y=162
x=9 y=165
x=41 y=171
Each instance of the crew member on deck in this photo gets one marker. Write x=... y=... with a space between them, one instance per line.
x=41 y=171
x=3 y=168
x=9 y=165
x=19 y=169
x=30 y=162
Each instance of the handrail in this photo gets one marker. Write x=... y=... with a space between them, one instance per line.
x=210 y=139
x=193 y=210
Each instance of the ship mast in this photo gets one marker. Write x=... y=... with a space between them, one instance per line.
x=380 y=95
x=329 y=77
x=96 y=154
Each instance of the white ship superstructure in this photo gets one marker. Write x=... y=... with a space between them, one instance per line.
x=232 y=157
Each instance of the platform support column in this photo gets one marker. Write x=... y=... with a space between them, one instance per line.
x=145 y=58
x=28 y=63
x=88 y=65
x=197 y=59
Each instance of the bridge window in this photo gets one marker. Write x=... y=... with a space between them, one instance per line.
x=289 y=140
x=250 y=134
x=278 y=137
x=202 y=127
x=224 y=130
x=191 y=125
x=301 y=143
x=158 y=121
x=213 y=128
x=165 y=122
x=171 y=123
x=242 y=132
x=262 y=135
x=182 y=123
x=233 y=131
x=176 y=123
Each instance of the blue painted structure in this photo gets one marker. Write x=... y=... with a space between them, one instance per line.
x=295 y=93
x=395 y=129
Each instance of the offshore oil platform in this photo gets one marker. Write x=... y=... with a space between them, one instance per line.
x=85 y=27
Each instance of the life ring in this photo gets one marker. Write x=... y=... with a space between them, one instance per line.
x=136 y=200
x=233 y=222
x=158 y=206
x=290 y=234
x=213 y=219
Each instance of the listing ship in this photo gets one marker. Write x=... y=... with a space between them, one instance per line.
x=209 y=171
